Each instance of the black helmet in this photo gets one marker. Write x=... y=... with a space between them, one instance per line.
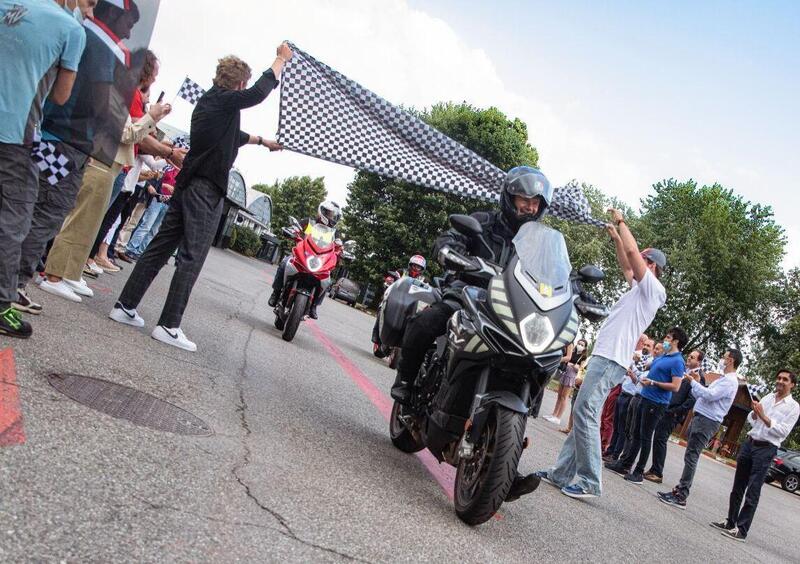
x=528 y=182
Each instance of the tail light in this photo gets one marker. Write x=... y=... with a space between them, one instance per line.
x=778 y=460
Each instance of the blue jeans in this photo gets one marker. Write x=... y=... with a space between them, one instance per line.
x=580 y=461
x=148 y=227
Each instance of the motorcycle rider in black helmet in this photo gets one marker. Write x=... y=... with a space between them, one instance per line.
x=525 y=197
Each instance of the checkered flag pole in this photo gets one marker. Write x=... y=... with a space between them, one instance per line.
x=191 y=91
x=51 y=162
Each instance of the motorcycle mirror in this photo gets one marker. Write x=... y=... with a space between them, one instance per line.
x=453 y=260
x=591 y=311
x=591 y=273
x=288 y=232
x=293 y=222
x=466 y=225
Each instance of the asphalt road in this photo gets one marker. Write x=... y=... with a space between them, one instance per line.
x=300 y=467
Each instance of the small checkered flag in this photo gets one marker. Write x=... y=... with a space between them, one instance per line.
x=181 y=142
x=191 y=91
x=51 y=162
x=757 y=391
x=326 y=115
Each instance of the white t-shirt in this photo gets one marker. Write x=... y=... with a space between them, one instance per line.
x=629 y=318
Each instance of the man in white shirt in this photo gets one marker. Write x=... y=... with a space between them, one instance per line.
x=710 y=409
x=773 y=418
x=579 y=465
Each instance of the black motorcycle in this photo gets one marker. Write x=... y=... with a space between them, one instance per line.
x=473 y=393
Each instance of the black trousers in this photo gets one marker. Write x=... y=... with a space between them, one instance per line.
x=631 y=421
x=420 y=334
x=649 y=415
x=109 y=219
x=660 y=440
x=190 y=225
x=751 y=469
x=620 y=418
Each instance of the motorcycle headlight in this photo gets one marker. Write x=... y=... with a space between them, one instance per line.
x=537 y=333
x=313 y=263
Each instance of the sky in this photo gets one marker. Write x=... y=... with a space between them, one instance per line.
x=616 y=94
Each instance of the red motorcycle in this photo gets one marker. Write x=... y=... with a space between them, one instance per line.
x=308 y=273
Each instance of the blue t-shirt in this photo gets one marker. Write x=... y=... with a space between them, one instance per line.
x=663 y=369
x=36 y=37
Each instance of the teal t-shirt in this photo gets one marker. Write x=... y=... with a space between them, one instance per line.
x=36 y=38
x=663 y=369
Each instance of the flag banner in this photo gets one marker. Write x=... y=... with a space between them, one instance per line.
x=181 y=142
x=94 y=117
x=191 y=91
x=51 y=162
x=326 y=115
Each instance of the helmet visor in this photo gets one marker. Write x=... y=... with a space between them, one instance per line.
x=530 y=186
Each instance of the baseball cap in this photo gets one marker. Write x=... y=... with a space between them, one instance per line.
x=655 y=255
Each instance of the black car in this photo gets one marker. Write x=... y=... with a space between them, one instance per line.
x=785 y=468
x=346 y=290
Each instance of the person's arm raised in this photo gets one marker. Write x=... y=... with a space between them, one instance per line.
x=637 y=264
x=622 y=259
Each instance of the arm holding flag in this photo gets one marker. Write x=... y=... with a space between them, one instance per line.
x=249 y=97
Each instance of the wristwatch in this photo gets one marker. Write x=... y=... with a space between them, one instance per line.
x=260 y=140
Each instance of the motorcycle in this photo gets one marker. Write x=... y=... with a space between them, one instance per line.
x=308 y=272
x=472 y=395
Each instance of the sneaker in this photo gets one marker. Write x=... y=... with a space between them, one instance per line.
x=735 y=535
x=121 y=314
x=24 y=303
x=552 y=419
x=174 y=337
x=545 y=477
x=617 y=468
x=61 y=289
x=671 y=499
x=94 y=267
x=635 y=477
x=653 y=477
x=577 y=492
x=80 y=287
x=523 y=485
x=12 y=324
x=723 y=525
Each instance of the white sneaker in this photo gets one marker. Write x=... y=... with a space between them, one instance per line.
x=94 y=268
x=37 y=278
x=80 y=287
x=126 y=316
x=552 y=419
x=61 y=289
x=174 y=337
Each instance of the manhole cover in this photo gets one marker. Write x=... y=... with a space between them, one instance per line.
x=127 y=403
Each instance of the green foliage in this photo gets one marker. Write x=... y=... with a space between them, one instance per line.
x=245 y=241
x=392 y=220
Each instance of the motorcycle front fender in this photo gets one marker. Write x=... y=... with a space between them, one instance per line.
x=489 y=401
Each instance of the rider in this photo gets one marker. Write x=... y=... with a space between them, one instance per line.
x=328 y=213
x=525 y=196
x=416 y=266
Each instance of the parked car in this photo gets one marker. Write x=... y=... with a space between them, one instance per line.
x=785 y=468
x=346 y=290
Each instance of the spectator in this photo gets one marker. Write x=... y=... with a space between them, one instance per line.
x=710 y=409
x=679 y=406
x=151 y=220
x=663 y=378
x=573 y=356
x=578 y=468
x=196 y=207
x=628 y=393
x=42 y=46
x=136 y=206
x=578 y=381
x=773 y=418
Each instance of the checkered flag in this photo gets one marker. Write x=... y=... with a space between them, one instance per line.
x=757 y=391
x=570 y=203
x=181 y=142
x=51 y=162
x=191 y=91
x=324 y=114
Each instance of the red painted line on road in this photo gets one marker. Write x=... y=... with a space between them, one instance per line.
x=100 y=288
x=444 y=474
x=11 y=430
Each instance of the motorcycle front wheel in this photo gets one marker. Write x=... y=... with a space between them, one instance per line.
x=482 y=482
x=295 y=316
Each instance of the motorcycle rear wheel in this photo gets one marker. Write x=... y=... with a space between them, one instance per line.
x=401 y=437
x=295 y=316
x=483 y=482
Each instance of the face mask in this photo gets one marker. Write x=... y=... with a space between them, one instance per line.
x=580 y=348
x=721 y=365
x=667 y=345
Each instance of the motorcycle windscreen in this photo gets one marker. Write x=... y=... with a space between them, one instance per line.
x=93 y=118
x=321 y=236
x=543 y=255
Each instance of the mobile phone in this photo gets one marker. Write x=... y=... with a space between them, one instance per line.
x=160 y=97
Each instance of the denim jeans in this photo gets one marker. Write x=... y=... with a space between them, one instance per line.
x=580 y=460
x=700 y=432
x=649 y=415
x=148 y=226
x=751 y=469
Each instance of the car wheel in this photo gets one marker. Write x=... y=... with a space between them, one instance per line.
x=790 y=482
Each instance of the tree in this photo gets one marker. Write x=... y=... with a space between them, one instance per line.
x=392 y=220
x=723 y=258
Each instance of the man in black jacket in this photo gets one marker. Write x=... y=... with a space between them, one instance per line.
x=680 y=405
x=196 y=207
x=525 y=197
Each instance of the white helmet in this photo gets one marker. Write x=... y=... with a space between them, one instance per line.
x=418 y=260
x=329 y=213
